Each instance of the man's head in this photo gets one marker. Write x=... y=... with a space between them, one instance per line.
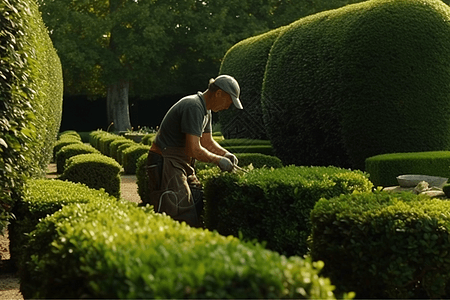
x=229 y=85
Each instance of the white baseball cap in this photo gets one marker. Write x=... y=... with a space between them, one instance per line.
x=229 y=85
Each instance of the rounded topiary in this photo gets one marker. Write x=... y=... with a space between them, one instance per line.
x=69 y=133
x=130 y=156
x=97 y=171
x=70 y=150
x=114 y=146
x=65 y=141
x=362 y=80
x=246 y=61
x=121 y=148
x=299 y=94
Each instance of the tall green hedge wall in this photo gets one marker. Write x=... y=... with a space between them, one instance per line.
x=246 y=61
x=347 y=84
x=300 y=92
x=30 y=98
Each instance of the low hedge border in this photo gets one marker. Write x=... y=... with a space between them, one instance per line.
x=385 y=168
x=97 y=171
x=64 y=141
x=257 y=160
x=116 y=251
x=114 y=146
x=43 y=197
x=273 y=205
x=130 y=156
x=70 y=150
x=383 y=245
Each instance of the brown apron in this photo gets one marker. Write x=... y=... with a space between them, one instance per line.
x=171 y=182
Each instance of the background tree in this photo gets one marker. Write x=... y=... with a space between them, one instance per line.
x=153 y=48
x=150 y=48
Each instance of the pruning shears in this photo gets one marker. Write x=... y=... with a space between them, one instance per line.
x=240 y=169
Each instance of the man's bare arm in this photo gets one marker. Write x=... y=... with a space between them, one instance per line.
x=195 y=149
x=209 y=143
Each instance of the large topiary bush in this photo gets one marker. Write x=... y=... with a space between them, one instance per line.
x=246 y=61
x=362 y=80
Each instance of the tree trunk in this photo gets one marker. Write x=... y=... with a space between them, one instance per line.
x=117 y=106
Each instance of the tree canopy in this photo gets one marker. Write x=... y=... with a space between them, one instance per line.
x=159 y=46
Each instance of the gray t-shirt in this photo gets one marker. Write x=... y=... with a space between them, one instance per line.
x=188 y=115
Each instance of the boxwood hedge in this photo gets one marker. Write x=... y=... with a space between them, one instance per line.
x=70 y=150
x=97 y=171
x=43 y=197
x=30 y=99
x=383 y=245
x=274 y=205
x=385 y=168
x=246 y=61
x=131 y=155
x=366 y=79
x=118 y=251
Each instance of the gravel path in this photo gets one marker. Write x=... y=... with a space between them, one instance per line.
x=9 y=282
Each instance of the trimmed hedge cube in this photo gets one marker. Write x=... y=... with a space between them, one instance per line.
x=70 y=150
x=97 y=171
x=114 y=146
x=130 y=156
x=383 y=245
x=142 y=177
x=64 y=141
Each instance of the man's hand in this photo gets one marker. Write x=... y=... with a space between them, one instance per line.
x=232 y=157
x=225 y=164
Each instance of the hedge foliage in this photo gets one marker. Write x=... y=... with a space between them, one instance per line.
x=243 y=142
x=383 y=245
x=142 y=178
x=274 y=205
x=148 y=139
x=385 y=168
x=131 y=155
x=44 y=197
x=110 y=249
x=246 y=61
x=366 y=79
x=257 y=160
x=69 y=133
x=30 y=99
x=64 y=141
x=114 y=146
x=68 y=151
x=97 y=171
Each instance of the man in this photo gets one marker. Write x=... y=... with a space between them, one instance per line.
x=185 y=135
